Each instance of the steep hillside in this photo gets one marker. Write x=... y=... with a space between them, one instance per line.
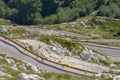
x=68 y=53
x=61 y=49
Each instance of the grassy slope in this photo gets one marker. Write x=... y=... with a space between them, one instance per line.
x=65 y=43
x=107 y=29
x=5 y=22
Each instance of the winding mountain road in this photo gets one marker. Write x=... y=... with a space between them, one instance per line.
x=113 y=52
x=49 y=32
x=13 y=50
x=7 y=47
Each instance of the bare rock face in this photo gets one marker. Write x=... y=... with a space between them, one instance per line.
x=33 y=68
x=24 y=76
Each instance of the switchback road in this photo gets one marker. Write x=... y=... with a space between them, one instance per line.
x=13 y=50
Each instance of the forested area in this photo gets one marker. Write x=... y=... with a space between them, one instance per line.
x=29 y=12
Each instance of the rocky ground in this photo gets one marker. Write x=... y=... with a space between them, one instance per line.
x=88 y=59
x=58 y=50
x=14 y=69
x=62 y=55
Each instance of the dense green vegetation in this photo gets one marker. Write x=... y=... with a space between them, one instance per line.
x=27 y=12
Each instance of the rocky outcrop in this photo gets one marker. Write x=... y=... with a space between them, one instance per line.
x=116 y=77
x=85 y=58
x=32 y=68
x=10 y=67
x=3 y=74
x=24 y=76
x=91 y=56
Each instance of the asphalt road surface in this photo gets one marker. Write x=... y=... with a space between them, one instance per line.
x=49 y=32
x=13 y=50
x=113 y=52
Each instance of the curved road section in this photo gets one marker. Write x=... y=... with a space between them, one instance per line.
x=113 y=52
x=13 y=50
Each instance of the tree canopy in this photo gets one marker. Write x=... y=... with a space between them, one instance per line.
x=29 y=12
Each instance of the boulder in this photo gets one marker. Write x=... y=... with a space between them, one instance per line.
x=112 y=65
x=1 y=57
x=24 y=76
x=12 y=61
x=14 y=67
x=54 y=48
x=98 y=75
x=83 y=24
x=113 y=71
x=7 y=61
x=23 y=66
x=108 y=76
x=116 y=77
x=100 y=57
x=2 y=74
x=43 y=71
x=86 y=54
x=33 y=68
x=3 y=30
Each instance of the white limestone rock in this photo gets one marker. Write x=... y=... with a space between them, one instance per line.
x=3 y=30
x=113 y=71
x=33 y=68
x=54 y=48
x=98 y=75
x=86 y=54
x=100 y=57
x=24 y=76
x=113 y=65
x=116 y=77
x=14 y=67
x=23 y=66
x=1 y=57
x=12 y=61
x=2 y=74
x=7 y=60
x=107 y=76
